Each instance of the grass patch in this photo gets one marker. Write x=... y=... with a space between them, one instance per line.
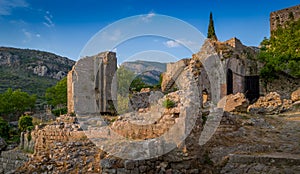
x=168 y=103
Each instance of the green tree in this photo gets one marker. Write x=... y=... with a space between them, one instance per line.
x=127 y=83
x=125 y=78
x=4 y=129
x=25 y=123
x=16 y=102
x=281 y=52
x=57 y=95
x=211 y=34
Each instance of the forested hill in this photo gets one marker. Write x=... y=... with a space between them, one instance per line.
x=31 y=71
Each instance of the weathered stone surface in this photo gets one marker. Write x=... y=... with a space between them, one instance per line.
x=236 y=103
x=93 y=86
x=139 y=100
x=295 y=96
x=284 y=85
x=11 y=160
x=280 y=17
x=169 y=78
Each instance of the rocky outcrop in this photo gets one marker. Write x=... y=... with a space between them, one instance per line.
x=31 y=71
x=236 y=103
x=270 y=104
x=37 y=62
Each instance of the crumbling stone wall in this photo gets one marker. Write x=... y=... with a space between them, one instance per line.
x=172 y=73
x=92 y=87
x=234 y=56
x=280 y=17
x=11 y=160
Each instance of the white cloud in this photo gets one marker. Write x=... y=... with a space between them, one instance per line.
x=148 y=17
x=28 y=36
x=6 y=6
x=48 y=20
x=171 y=44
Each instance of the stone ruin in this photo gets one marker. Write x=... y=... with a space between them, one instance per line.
x=92 y=87
x=64 y=139
x=239 y=63
x=280 y=17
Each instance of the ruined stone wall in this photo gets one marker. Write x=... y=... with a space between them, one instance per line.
x=280 y=17
x=11 y=160
x=91 y=84
x=173 y=71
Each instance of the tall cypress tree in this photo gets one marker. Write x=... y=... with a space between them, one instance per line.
x=211 y=34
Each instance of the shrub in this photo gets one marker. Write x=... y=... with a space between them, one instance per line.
x=4 y=128
x=58 y=112
x=168 y=103
x=25 y=123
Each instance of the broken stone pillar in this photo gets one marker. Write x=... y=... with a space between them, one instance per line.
x=92 y=87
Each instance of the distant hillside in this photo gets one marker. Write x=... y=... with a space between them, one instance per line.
x=148 y=71
x=31 y=71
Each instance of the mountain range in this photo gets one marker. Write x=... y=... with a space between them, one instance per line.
x=148 y=71
x=31 y=71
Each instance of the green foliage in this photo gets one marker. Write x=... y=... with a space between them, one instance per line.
x=17 y=78
x=16 y=102
x=168 y=103
x=211 y=34
x=137 y=84
x=281 y=53
x=125 y=78
x=123 y=103
x=60 y=111
x=57 y=95
x=128 y=82
x=4 y=129
x=158 y=86
x=25 y=123
x=29 y=137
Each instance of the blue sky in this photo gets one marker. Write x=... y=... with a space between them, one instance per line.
x=64 y=27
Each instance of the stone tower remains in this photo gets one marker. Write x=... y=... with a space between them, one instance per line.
x=92 y=85
x=280 y=17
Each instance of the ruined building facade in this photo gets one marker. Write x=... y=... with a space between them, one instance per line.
x=92 y=85
x=280 y=17
x=239 y=65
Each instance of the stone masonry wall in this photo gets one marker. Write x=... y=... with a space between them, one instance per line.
x=280 y=17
